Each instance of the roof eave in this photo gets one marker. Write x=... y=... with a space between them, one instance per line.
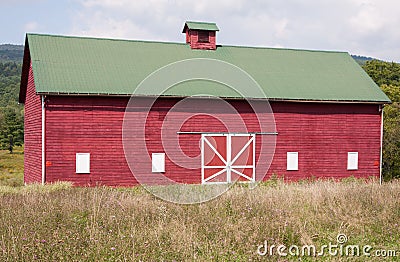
x=233 y=98
x=26 y=63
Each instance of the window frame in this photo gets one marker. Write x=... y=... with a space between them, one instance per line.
x=352 y=160
x=82 y=163
x=292 y=161
x=158 y=162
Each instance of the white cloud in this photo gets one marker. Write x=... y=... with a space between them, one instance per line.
x=31 y=26
x=365 y=27
x=99 y=25
x=368 y=19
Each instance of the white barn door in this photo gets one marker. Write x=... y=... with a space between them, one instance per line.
x=227 y=158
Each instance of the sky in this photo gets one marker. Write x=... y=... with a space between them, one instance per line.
x=360 y=27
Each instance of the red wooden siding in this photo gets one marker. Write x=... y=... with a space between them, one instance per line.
x=86 y=125
x=192 y=37
x=33 y=133
x=322 y=134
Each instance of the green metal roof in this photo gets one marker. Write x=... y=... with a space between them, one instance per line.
x=200 y=26
x=78 y=65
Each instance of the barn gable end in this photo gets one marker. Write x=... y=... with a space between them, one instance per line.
x=32 y=133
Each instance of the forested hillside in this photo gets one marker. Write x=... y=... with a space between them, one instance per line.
x=385 y=74
x=11 y=53
x=11 y=113
x=361 y=60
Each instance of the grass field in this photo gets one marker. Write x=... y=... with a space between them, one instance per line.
x=12 y=167
x=62 y=223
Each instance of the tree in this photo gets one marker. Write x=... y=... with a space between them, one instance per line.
x=12 y=129
x=387 y=75
x=391 y=139
x=383 y=73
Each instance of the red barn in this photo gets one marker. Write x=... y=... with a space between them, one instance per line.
x=95 y=113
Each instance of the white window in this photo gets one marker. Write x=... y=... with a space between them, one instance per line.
x=82 y=163
x=292 y=161
x=352 y=160
x=158 y=162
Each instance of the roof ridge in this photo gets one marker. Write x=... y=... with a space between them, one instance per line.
x=284 y=48
x=104 y=38
x=178 y=43
x=200 y=22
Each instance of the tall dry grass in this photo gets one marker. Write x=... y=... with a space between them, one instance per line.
x=128 y=224
x=12 y=167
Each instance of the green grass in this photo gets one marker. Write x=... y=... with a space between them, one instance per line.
x=62 y=223
x=12 y=167
x=59 y=222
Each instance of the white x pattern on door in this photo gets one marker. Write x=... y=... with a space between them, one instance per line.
x=226 y=158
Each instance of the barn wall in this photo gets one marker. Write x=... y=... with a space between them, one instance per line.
x=321 y=133
x=86 y=125
x=32 y=133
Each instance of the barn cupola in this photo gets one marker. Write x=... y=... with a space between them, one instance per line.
x=201 y=35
